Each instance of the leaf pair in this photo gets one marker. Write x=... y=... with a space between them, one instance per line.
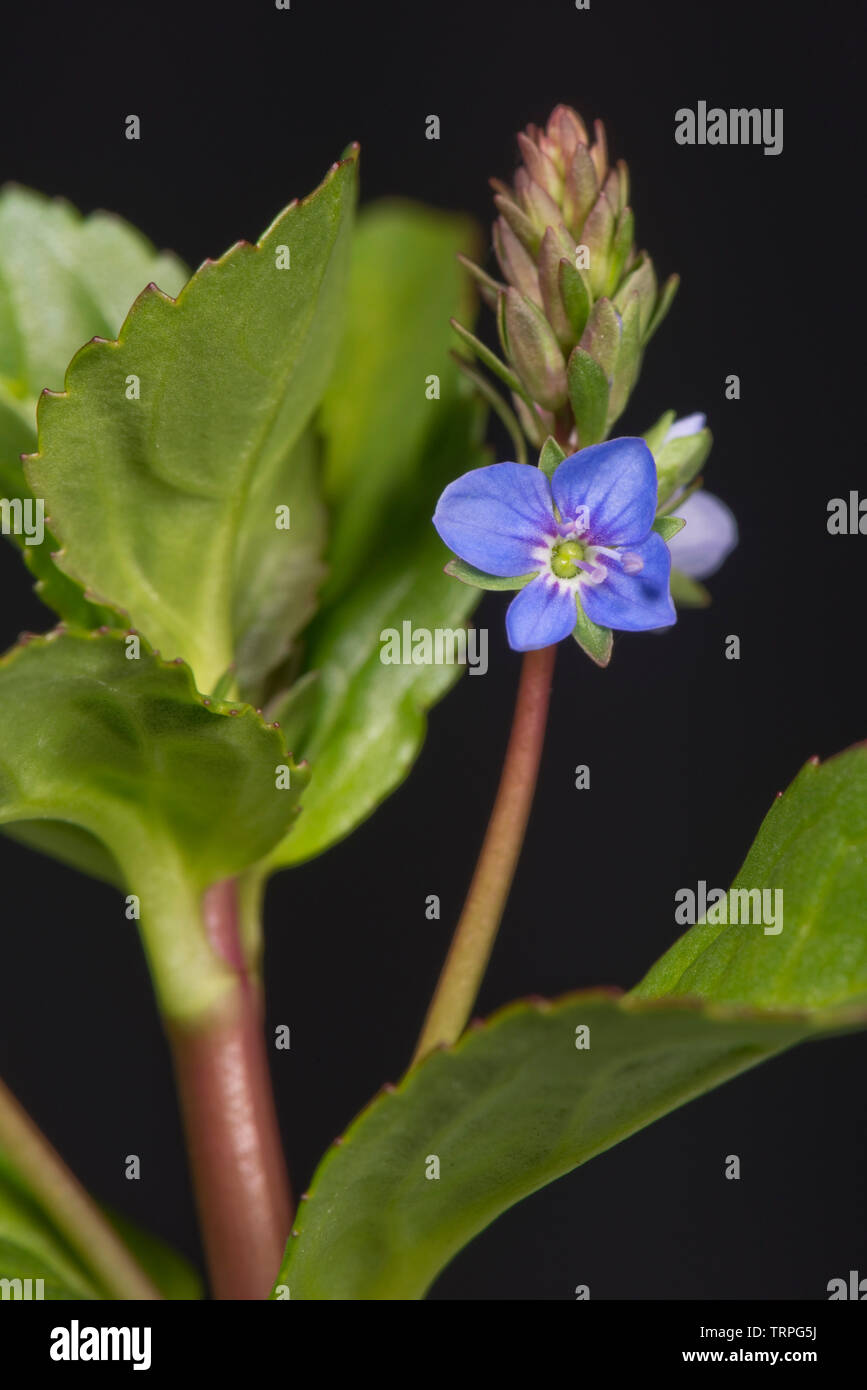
x=197 y=500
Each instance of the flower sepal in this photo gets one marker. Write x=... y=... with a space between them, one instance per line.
x=589 y=392
x=534 y=350
x=688 y=593
x=488 y=358
x=468 y=574
x=550 y=457
x=596 y=641
x=668 y=526
x=679 y=460
x=655 y=437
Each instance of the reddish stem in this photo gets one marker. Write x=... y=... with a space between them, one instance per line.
x=233 y=1140
x=476 y=931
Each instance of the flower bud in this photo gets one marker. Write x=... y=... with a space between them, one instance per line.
x=534 y=351
x=565 y=243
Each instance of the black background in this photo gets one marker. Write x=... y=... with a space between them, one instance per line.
x=242 y=108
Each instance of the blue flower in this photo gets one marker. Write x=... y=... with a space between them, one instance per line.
x=583 y=538
x=710 y=530
x=710 y=534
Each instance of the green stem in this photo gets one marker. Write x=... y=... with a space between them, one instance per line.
x=476 y=931
x=233 y=1139
x=58 y=1192
x=497 y=404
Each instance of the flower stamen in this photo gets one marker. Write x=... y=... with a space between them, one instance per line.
x=632 y=563
x=593 y=572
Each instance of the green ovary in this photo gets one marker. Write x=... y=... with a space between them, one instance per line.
x=565 y=557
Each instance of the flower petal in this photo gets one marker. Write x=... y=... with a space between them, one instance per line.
x=616 y=483
x=710 y=534
x=495 y=517
x=633 y=602
x=542 y=614
x=687 y=425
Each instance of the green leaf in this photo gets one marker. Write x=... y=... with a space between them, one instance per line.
x=596 y=641
x=63 y=279
x=177 y=791
x=164 y=501
x=294 y=710
x=70 y=845
x=172 y=1274
x=21 y=1266
x=275 y=591
x=668 y=526
x=32 y=1248
x=50 y=1230
x=551 y=457
x=369 y=722
x=64 y=595
x=389 y=452
x=383 y=403
x=468 y=574
x=810 y=859
x=511 y=1107
x=588 y=394
x=529 y=1096
x=115 y=745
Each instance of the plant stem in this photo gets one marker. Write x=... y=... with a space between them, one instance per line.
x=490 y=393
x=476 y=931
x=45 y=1176
x=239 y=1173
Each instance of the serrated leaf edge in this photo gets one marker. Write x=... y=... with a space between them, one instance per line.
x=208 y=266
x=223 y=708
